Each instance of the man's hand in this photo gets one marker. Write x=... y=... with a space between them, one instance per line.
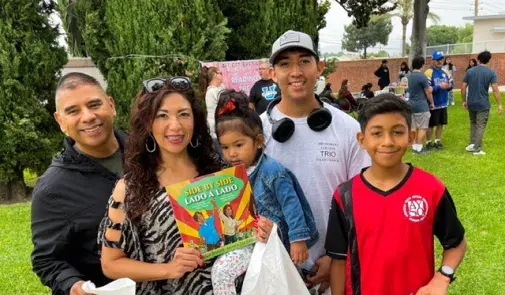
x=445 y=85
x=77 y=289
x=465 y=105
x=264 y=228
x=432 y=106
x=322 y=269
x=299 y=252
x=500 y=109
x=437 y=286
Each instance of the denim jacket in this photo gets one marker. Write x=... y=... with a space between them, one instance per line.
x=280 y=198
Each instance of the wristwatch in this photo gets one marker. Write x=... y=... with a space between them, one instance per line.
x=447 y=271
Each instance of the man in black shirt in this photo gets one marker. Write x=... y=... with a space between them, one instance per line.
x=264 y=90
x=70 y=198
x=383 y=74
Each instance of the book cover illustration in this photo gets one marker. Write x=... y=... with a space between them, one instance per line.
x=215 y=213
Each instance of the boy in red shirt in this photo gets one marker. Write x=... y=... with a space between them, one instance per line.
x=382 y=221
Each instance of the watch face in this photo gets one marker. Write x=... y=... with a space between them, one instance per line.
x=447 y=270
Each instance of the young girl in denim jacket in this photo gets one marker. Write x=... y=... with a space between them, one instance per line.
x=277 y=193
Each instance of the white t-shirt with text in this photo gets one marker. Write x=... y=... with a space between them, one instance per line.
x=321 y=161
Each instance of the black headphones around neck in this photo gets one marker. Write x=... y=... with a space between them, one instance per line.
x=282 y=130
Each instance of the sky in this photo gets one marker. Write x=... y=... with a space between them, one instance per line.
x=451 y=13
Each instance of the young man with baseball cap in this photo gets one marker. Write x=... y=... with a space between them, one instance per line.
x=313 y=139
x=441 y=81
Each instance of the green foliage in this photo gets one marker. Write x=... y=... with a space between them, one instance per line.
x=407 y=48
x=442 y=34
x=330 y=67
x=465 y=34
x=248 y=37
x=73 y=18
x=30 y=63
x=255 y=25
x=363 y=10
x=360 y=39
x=452 y=40
x=405 y=11
x=170 y=35
x=381 y=53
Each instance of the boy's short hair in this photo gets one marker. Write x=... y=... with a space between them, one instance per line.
x=383 y=104
x=484 y=57
x=418 y=62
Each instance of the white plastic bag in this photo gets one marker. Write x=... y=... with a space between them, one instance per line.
x=271 y=270
x=123 y=286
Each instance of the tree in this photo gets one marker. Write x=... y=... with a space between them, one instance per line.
x=30 y=63
x=441 y=35
x=135 y=40
x=465 y=34
x=407 y=48
x=418 y=38
x=377 y=31
x=271 y=18
x=73 y=14
x=453 y=39
x=244 y=22
x=381 y=53
x=362 y=11
x=405 y=11
x=330 y=67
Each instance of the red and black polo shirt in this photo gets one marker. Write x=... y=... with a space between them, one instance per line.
x=386 y=237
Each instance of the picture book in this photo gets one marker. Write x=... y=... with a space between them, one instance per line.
x=215 y=213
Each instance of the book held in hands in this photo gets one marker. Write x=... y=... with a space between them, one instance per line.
x=215 y=213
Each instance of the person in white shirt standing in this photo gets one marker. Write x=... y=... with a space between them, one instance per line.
x=313 y=139
x=210 y=84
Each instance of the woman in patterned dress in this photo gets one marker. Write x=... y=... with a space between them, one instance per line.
x=169 y=142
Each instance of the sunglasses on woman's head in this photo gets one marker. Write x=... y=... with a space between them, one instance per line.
x=155 y=84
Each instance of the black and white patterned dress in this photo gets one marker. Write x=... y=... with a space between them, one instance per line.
x=154 y=240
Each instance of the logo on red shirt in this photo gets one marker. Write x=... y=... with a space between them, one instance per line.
x=415 y=208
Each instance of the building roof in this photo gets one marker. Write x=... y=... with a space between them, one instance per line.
x=496 y=16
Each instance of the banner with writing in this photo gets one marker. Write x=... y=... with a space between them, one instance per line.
x=215 y=213
x=238 y=75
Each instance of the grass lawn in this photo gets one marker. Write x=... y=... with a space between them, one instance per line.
x=474 y=182
x=16 y=276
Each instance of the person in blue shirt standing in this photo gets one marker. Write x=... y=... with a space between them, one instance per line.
x=207 y=231
x=439 y=79
x=478 y=79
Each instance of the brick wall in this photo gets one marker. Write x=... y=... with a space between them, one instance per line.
x=361 y=72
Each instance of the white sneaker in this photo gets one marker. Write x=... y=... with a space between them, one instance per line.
x=470 y=147
x=479 y=153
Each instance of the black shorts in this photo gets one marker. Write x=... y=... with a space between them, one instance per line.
x=438 y=117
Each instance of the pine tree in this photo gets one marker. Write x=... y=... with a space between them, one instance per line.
x=123 y=36
x=255 y=25
x=30 y=63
